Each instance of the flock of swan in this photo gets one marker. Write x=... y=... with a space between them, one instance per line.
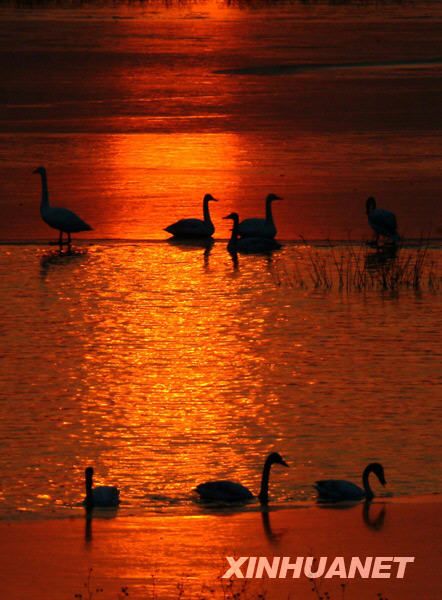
x=233 y=493
x=248 y=236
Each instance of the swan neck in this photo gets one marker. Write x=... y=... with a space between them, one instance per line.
x=206 y=212
x=264 y=492
x=44 y=191
x=269 y=214
x=234 y=235
x=366 y=483
x=89 y=491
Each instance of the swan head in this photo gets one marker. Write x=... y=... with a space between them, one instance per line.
x=378 y=470
x=276 y=459
x=234 y=216
x=273 y=197
x=39 y=171
x=209 y=198
x=370 y=204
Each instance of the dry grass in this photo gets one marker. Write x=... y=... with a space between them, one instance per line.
x=231 y=589
x=355 y=268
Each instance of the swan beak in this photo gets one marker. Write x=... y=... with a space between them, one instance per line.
x=35 y=172
x=284 y=464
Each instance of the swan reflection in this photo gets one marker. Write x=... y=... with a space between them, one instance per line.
x=273 y=537
x=373 y=521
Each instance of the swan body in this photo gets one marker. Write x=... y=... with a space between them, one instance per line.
x=336 y=490
x=248 y=245
x=102 y=496
x=224 y=491
x=194 y=228
x=383 y=222
x=264 y=228
x=62 y=219
x=232 y=492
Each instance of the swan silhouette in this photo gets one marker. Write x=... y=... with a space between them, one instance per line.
x=264 y=228
x=102 y=496
x=62 y=219
x=194 y=228
x=248 y=245
x=232 y=492
x=336 y=490
x=383 y=222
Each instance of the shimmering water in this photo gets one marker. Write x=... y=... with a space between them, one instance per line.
x=164 y=366
x=137 y=111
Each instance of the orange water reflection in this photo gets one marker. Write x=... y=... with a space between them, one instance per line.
x=163 y=366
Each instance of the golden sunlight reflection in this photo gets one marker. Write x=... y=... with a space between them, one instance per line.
x=195 y=164
x=165 y=367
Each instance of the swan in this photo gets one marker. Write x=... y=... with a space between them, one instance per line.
x=335 y=490
x=232 y=492
x=248 y=245
x=195 y=228
x=260 y=227
x=383 y=222
x=56 y=217
x=102 y=496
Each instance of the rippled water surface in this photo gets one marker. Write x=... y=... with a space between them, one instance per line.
x=137 y=110
x=164 y=366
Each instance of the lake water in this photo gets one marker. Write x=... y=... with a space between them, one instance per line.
x=163 y=365
x=138 y=111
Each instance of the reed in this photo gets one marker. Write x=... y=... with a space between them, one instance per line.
x=351 y=268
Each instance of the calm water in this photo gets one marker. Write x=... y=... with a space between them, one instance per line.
x=137 y=112
x=164 y=366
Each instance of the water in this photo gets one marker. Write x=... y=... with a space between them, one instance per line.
x=164 y=366
x=138 y=111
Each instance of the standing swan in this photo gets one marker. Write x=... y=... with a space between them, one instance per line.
x=194 y=228
x=335 y=490
x=102 y=496
x=248 y=245
x=231 y=492
x=260 y=227
x=383 y=222
x=58 y=218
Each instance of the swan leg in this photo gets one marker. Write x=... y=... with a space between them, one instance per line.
x=69 y=240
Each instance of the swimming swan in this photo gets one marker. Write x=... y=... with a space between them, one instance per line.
x=335 y=490
x=260 y=227
x=231 y=492
x=62 y=219
x=102 y=496
x=248 y=245
x=194 y=228
x=383 y=222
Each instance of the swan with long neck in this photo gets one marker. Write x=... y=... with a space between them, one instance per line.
x=230 y=492
x=62 y=219
x=260 y=227
x=248 y=245
x=383 y=222
x=195 y=228
x=336 y=490
x=102 y=496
